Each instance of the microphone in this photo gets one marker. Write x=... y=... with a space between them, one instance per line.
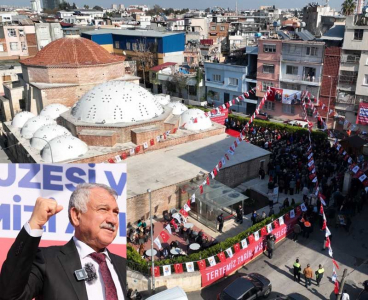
x=91 y=273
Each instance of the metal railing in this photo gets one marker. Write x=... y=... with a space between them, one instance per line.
x=316 y=79
x=350 y=59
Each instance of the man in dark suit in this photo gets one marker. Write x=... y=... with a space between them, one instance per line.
x=56 y=272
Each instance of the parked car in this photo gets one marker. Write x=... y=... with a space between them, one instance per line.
x=301 y=124
x=176 y=293
x=262 y=116
x=248 y=287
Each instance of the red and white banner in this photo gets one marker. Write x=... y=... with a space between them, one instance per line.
x=240 y=258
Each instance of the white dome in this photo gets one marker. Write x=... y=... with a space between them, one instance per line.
x=163 y=99
x=178 y=108
x=21 y=118
x=47 y=133
x=116 y=101
x=33 y=124
x=53 y=110
x=193 y=115
x=63 y=148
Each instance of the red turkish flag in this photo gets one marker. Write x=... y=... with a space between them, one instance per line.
x=311 y=168
x=337 y=287
x=321 y=210
x=188 y=202
x=220 y=164
x=221 y=256
x=164 y=236
x=137 y=149
x=195 y=120
x=173 y=223
x=227 y=156
x=201 y=189
x=164 y=135
x=178 y=268
x=298 y=210
x=156 y=271
x=201 y=264
x=111 y=161
x=174 y=130
x=123 y=155
x=335 y=263
x=287 y=217
x=227 y=104
x=251 y=239
x=208 y=180
x=183 y=212
x=235 y=144
x=276 y=223
x=152 y=142
x=215 y=171
x=236 y=247
x=324 y=225
x=327 y=243
x=346 y=157
x=311 y=176
x=264 y=231
x=233 y=101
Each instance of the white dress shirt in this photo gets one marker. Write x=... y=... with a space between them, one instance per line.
x=95 y=289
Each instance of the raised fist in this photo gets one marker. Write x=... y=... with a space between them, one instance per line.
x=44 y=209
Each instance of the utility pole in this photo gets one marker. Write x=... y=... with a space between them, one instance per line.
x=342 y=284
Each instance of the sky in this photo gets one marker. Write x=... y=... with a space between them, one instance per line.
x=242 y=4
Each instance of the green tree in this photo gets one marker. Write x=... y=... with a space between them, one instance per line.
x=348 y=7
x=207 y=9
x=86 y=6
x=74 y=6
x=96 y=7
x=64 y=5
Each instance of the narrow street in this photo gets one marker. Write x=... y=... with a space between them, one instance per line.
x=350 y=251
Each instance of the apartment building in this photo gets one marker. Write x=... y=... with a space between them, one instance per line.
x=353 y=75
x=268 y=66
x=17 y=41
x=47 y=33
x=218 y=31
x=228 y=80
x=293 y=65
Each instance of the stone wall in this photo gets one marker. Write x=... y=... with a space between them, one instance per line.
x=85 y=75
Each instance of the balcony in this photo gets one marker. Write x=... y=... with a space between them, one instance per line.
x=347 y=82
x=305 y=79
x=346 y=102
x=350 y=59
x=214 y=84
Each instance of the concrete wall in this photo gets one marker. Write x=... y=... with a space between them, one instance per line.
x=189 y=282
x=362 y=83
x=349 y=42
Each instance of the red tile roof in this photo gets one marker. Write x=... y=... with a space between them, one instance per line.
x=162 y=66
x=72 y=52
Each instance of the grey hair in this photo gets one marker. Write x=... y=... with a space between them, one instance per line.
x=80 y=197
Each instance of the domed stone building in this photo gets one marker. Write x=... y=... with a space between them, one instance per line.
x=61 y=73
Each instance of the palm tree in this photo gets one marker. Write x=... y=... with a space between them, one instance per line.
x=348 y=7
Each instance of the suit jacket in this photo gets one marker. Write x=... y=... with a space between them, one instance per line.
x=47 y=273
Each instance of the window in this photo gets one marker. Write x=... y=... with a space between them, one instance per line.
x=56 y=31
x=292 y=70
x=358 y=34
x=233 y=81
x=312 y=51
x=288 y=109
x=134 y=47
x=12 y=32
x=269 y=48
x=291 y=86
x=23 y=46
x=269 y=105
x=216 y=77
x=365 y=79
x=1 y=47
x=127 y=46
x=265 y=85
x=268 y=69
x=21 y=32
x=13 y=46
x=213 y=27
x=213 y=95
x=192 y=90
x=291 y=48
x=117 y=45
x=222 y=28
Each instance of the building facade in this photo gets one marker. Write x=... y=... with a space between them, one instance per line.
x=226 y=81
x=47 y=33
x=353 y=75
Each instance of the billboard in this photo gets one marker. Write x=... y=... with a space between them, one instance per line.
x=286 y=96
x=22 y=184
x=362 y=116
